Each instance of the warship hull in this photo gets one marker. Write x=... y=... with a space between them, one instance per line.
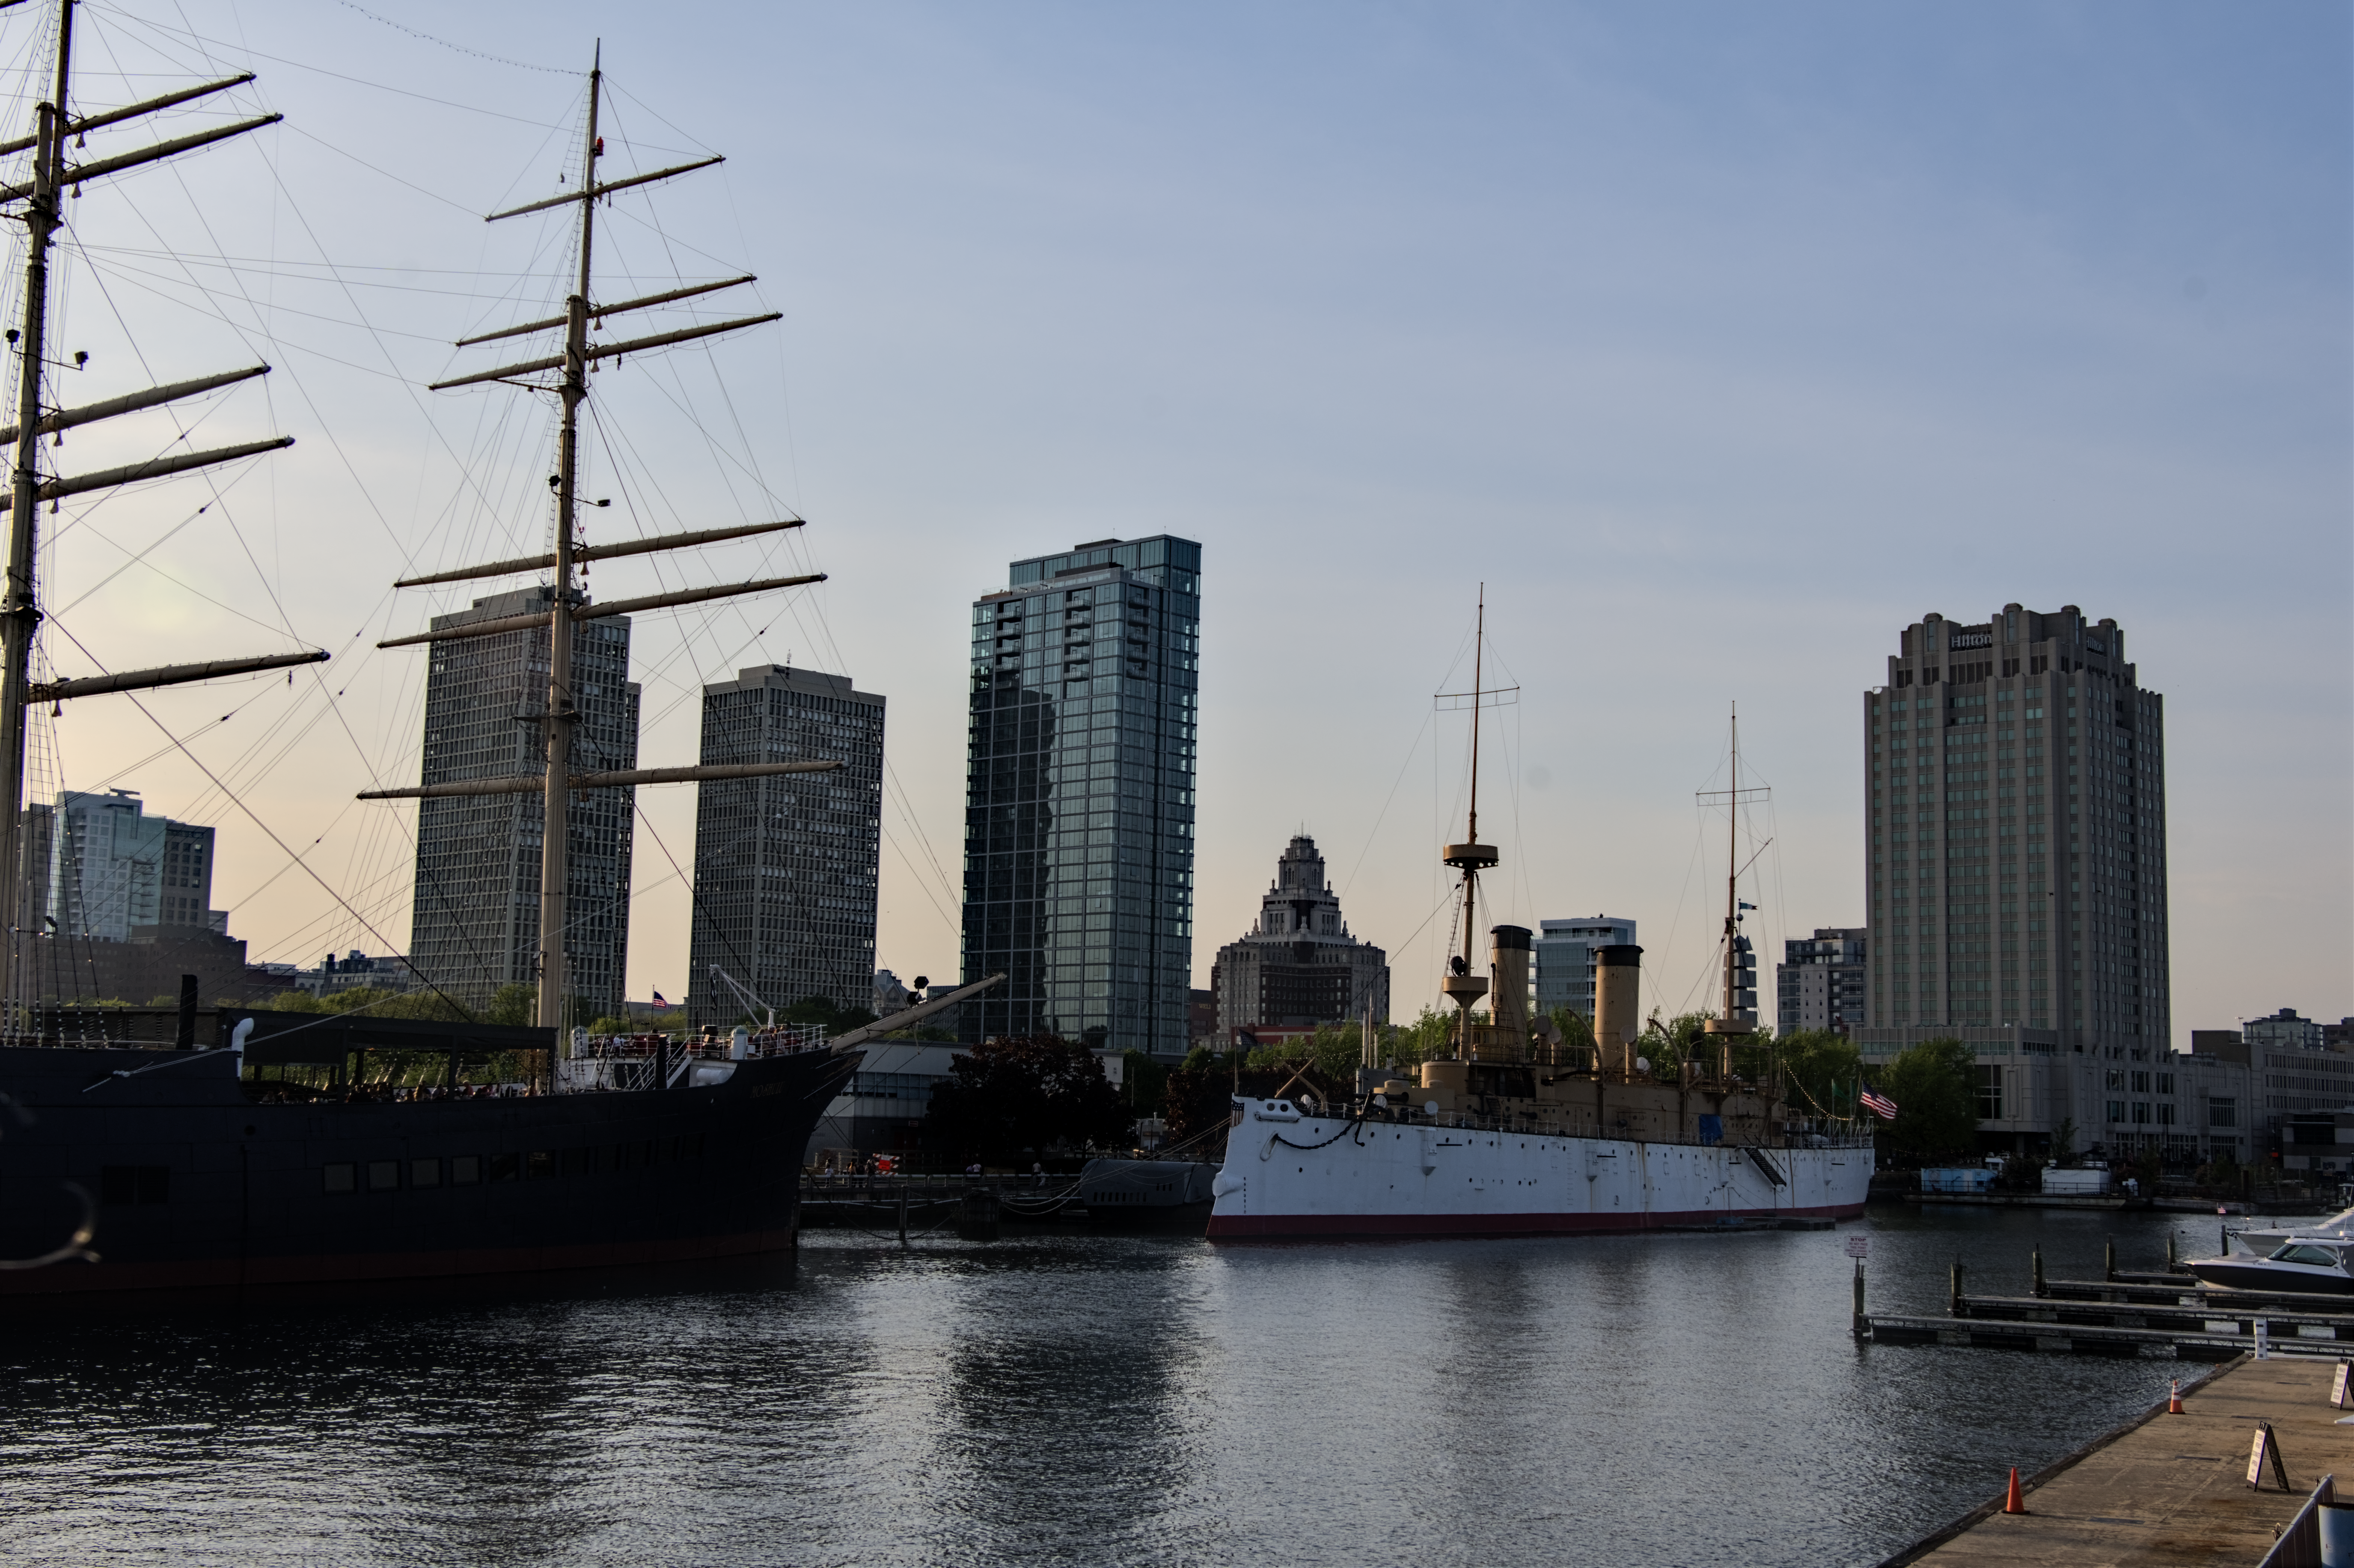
x=1293 y=1174
x=201 y=1190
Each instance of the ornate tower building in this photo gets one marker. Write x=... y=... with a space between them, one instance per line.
x=1299 y=966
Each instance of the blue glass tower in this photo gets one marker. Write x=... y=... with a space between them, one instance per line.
x=1078 y=879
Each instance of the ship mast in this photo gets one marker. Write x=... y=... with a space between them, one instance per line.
x=555 y=871
x=1470 y=857
x=568 y=605
x=53 y=125
x=1733 y=1022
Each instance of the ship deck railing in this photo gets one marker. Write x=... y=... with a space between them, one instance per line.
x=1789 y=1137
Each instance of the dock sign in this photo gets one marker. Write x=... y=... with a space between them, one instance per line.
x=2338 y=1386
x=1859 y=1247
x=2262 y=1447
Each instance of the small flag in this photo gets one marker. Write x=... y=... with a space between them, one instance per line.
x=1745 y=905
x=1879 y=1105
x=659 y=1001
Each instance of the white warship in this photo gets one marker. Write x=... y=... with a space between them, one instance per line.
x=1518 y=1133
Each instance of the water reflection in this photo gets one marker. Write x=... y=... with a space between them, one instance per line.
x=1669 y=1400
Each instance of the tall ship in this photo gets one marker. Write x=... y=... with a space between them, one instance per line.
x=164 y=1156
x=1515 y=1131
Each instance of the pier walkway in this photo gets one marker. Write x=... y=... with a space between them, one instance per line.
x=2166 y=1489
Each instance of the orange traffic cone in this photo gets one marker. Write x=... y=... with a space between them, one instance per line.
x=2012 y=1502
x=2174 y=1398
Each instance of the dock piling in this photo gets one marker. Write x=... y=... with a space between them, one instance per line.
x=903 y=1216
x=2038 y=1289
x=1862 y=1326
x=1954 y=1298
x=2109 y=1259
x=2169 y=1252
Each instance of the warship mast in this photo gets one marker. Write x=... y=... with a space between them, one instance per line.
x=1461 y=985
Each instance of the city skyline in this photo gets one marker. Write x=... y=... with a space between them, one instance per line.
x=1682 y=339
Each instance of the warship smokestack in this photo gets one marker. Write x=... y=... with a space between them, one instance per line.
x=1618 y=1005
x=1508 y=964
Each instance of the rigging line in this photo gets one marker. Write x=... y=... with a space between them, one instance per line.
x=363 y=164
x=906 y=811
x=458 y=48
x=618 y=90
x=1428 y=719
x=927 y=892
x=695 y=897
x=271 y=834
x=321 y=70
x=138 y=560
x=270 y=263
x=162 y=282
x=295 y=207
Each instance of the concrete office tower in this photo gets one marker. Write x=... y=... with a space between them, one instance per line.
x=1564 y=959
x=1079 y=803
x=475 y=921
x=2018 y=835
x=1820 y=982
x=112 y=867
x=1298 y=964
x=785 y=867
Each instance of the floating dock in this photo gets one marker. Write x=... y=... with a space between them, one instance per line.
x=2169 y=1488
x=2124 y=1316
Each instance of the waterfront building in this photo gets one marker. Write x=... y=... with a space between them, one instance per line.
x=1564 y=960
x=1819 y=983
x=1298 y=965
x=2016 y=770
x=474 y=923
x=2284 y=1031
x=785 y=867
x=356 y=970
x=2189 y=1107
x=1079 y=803
x=112 y=868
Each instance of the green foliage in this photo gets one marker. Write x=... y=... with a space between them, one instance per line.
x=820 y=1011
x=1934 y=1085
x=2063 y=1141
x=1010 y=1101
x=431 y=1006
x=515 y=1004
x=1334 y=1051
x=1819 y=1070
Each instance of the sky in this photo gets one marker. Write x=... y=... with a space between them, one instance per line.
x=1714 y=343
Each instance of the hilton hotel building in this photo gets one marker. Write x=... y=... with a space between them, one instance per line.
x=2017 y=846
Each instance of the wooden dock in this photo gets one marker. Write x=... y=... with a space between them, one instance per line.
x=2164 y=1488
x=2115 y=1317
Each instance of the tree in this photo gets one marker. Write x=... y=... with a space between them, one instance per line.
x=1820 y=1069
x=1935 y=1086
x=1008 y=1101
x=515 y=1004
x=1199 y=1094
x=2064 y=1141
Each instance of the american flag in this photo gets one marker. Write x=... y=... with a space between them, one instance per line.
x=659 y=1001
x=1879 y=1104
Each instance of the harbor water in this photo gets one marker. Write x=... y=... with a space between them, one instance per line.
x=1079 y=1399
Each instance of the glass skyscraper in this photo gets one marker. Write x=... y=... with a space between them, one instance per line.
x=1078 y=867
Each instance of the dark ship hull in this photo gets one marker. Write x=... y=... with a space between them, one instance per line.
x=202 y=1188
